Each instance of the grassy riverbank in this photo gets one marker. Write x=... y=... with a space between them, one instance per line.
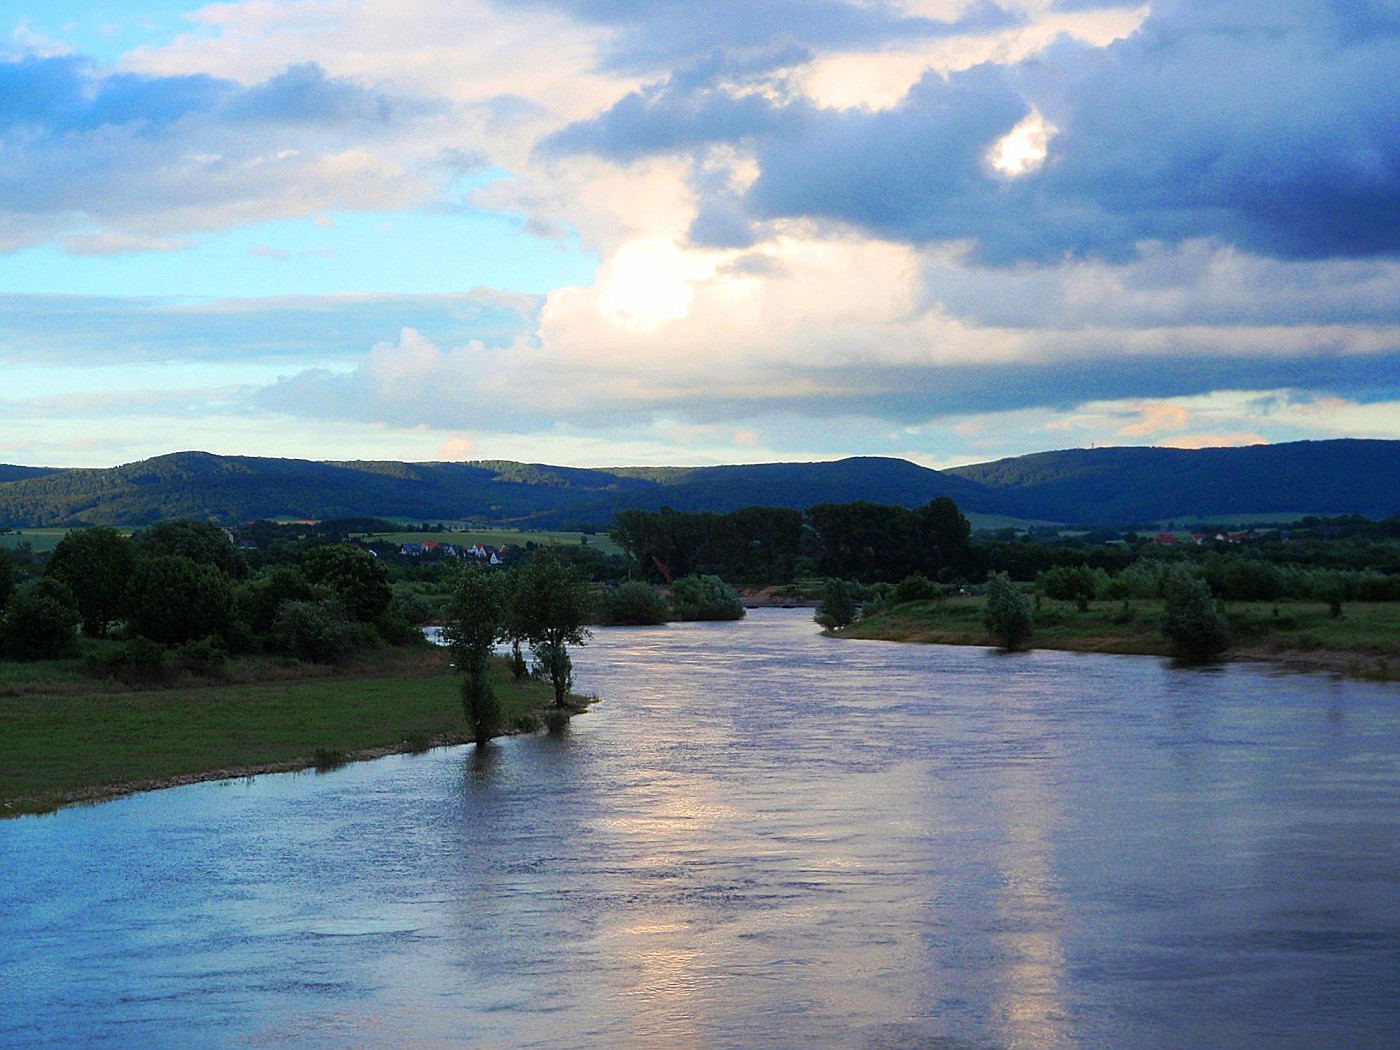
x=1364 y=642
x=65 y=737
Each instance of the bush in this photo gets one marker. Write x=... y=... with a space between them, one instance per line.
x=410 y=607
x=40 y=622
x=632 y=604
x=838 y=605
x=1079 y=585
x=556 y=719
x=697 y=597
x=915 y=588
x=396 y=630
x=136 y=661
x=1192 y=621
x=1008 y=613
x=316 y=631
x=257 y=601
x=1250 y=580
x=207 y=656
x=519 y=668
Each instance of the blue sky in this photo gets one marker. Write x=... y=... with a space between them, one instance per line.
x=605 y=232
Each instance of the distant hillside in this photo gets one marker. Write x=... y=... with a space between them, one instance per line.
x=1111 y=485
x=239 y=488
x=801 y=485
x=10 y=472
x=245 y=488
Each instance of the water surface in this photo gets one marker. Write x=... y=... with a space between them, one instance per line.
x=761 y=838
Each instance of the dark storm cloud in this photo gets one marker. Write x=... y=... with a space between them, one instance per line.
x=658 y=35
x=1064 y=382
x=1271 y=127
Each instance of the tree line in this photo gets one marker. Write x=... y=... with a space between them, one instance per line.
x=860 y=541
x=183 y=587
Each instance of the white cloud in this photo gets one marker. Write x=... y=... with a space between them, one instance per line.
x=677 y=345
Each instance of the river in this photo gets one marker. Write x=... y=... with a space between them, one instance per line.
x=760 y=838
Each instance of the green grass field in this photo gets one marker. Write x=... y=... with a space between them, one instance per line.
x=41 y=540
x=1364 y=641
x=498 y=538
x=65 y=737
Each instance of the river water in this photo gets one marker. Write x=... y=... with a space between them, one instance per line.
x=760 y=838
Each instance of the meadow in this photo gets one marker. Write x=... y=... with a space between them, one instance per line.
x=1363 y=642
x=67 y=737
x=465 y=537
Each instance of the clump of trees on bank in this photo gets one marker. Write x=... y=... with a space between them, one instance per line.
x=180 y=594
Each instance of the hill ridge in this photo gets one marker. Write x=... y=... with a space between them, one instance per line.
x=1113 y=485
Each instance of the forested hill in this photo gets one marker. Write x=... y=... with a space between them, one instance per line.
x=1345 y=476
x=239 y=488
x=10 y=472
x=1112 y=485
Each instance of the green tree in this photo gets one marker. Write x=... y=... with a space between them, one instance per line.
x=518 y=667
x=174 y=599
x=40 y=622
x=697 y=597
x=549 y=609
x=1065 y=584
x=633 y=603
x=201 y=541
x=7 y=577
x=944 y=536
x=838 y=605
x=1192 y=620
x=354 y=575
x=1008 y=613
x=1251 y=580
x=475 y=620
x=95 y=564
x=318 y=632
x=258 y=600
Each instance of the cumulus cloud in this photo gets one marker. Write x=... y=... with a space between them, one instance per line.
x=1271 y=131
x=150 y=157
x=821 y=329
x=818 y=222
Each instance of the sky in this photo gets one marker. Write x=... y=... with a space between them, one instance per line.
x=616 y=232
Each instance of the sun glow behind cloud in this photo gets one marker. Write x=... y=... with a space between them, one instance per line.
x=649 y=282
x=1024 y=148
